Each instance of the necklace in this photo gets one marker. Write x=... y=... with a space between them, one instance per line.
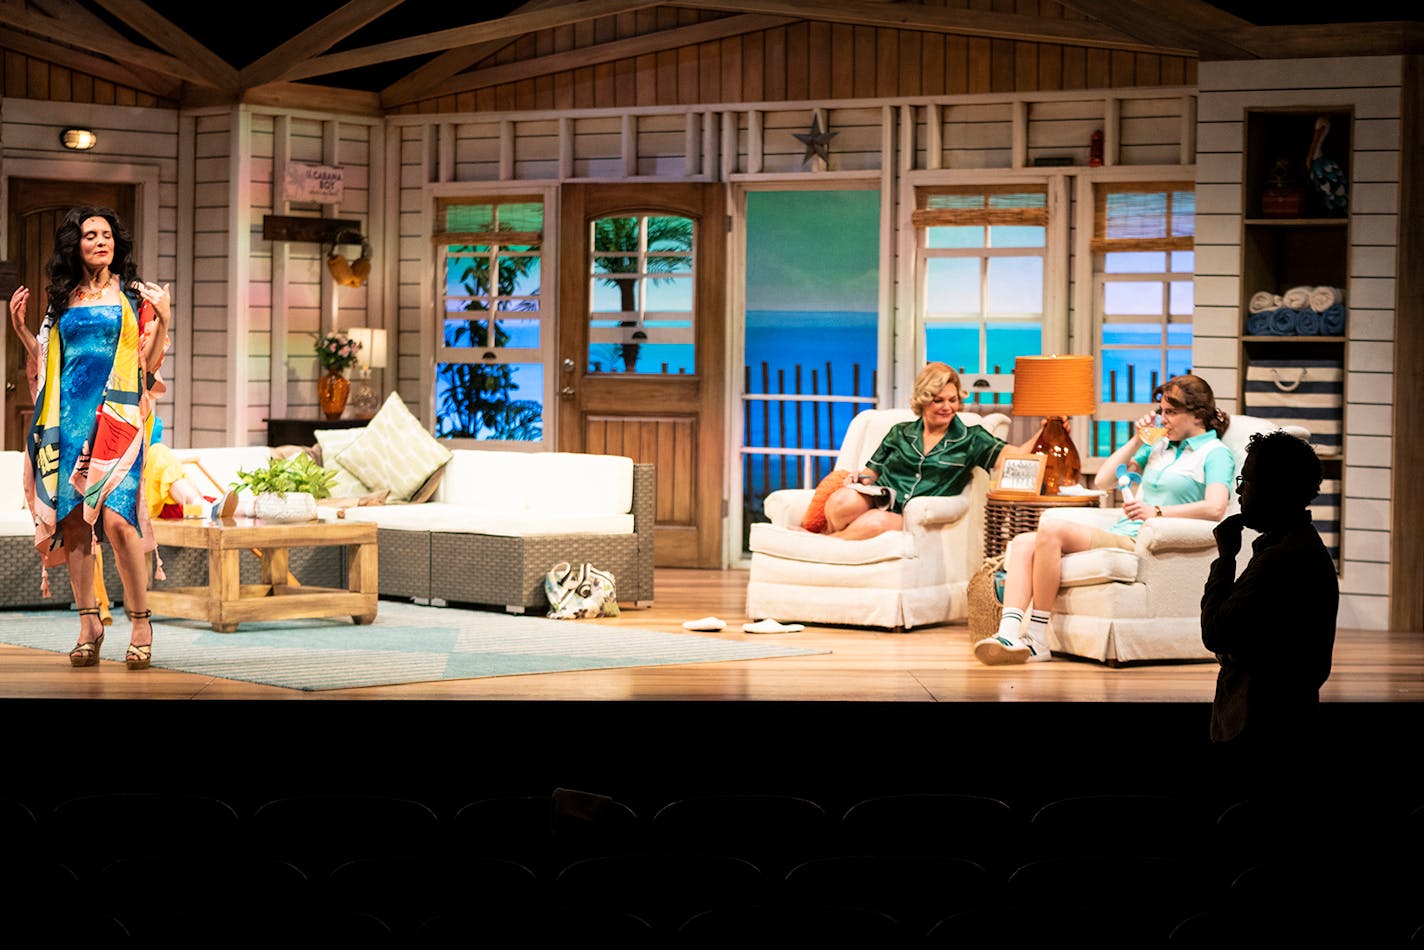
x=90 y=293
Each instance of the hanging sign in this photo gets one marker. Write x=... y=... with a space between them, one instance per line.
x=321 y=183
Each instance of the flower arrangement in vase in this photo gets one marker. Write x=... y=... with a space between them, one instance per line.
x=336 y=352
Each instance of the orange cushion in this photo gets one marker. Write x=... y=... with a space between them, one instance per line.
x=815 y=519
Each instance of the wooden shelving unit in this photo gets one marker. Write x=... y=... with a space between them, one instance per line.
x=1309 y=247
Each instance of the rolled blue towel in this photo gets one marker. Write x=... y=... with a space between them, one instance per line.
x=1307 y=322
x=1283 y=321
x=1259 y=324
x=1332 y=320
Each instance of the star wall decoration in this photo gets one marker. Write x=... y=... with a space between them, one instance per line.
x=817 y=142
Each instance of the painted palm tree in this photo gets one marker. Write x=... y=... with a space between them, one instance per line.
x=477 y=397
x=621 y=234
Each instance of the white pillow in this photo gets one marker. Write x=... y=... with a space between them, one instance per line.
x=394 y=452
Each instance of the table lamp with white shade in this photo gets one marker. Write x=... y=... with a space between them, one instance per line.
x=364 y=399
x=1056 y=387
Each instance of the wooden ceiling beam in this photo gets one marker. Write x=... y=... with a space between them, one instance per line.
x=642 y=45
x=158 y=84
x=315 y=39
x=1170 y=23
x=417 y=83
x=507 y=27
x=167 y=35
x=1392 y=38
x=120 y=51
x=913 y=16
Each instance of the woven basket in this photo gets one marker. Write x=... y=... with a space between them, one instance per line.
x=984 y=606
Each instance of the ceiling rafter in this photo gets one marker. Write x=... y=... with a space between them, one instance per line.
x=913 y=16
x=418 y=82
x=317 y=38
x=507 y=27
x=626 y=48
x=119 y=51
x=167 y=35
x=1190 y=23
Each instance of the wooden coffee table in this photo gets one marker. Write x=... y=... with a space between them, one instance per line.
x=226 y=601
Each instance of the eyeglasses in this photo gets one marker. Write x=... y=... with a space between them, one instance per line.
x=1239 y=480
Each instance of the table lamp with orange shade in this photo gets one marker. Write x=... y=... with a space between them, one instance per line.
x=1055 y=387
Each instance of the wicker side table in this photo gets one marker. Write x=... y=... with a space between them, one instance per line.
x=1006 y=518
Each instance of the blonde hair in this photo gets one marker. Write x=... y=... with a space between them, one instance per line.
x=933 y=378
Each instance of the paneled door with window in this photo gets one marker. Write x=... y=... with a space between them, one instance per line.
x=641 y=353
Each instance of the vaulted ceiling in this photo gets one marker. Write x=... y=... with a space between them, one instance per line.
x=382 y=54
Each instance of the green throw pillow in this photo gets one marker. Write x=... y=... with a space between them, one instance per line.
x=395 y=452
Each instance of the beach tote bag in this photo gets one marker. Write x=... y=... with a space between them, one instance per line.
x=579 y=591
x=985 y=599
x=1307 y=393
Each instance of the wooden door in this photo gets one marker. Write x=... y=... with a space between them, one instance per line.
x=36 y=208
x=641 y=351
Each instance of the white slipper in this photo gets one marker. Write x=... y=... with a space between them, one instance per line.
x=711 y=624
x=771 y=626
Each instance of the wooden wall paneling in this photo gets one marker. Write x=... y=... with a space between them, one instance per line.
x=864 y=84
x=911 y=63
x=1147 y=69
x=1096 y=69
x=1002 y=54
x=709 y=71
x=1406 y=549
x=666 y=79
x=1121 y=68
x=1063 y=127
x=956 y=65
x=605 y=86
x=1150 y=130
x=887 y=71
x=753 y=71
x=682 y=480
x=774 y=64
x=625 y=85
x=666 y=461
x=730 y=54
x=1173 y=72
x=933 y=71
x=1075 y=68
x=689 y=75
x=981 y=75
x=1026 y=66
x=819 y=58
x=1050 y=66
x=842 y=61
x=645 y=80
x=798 y=63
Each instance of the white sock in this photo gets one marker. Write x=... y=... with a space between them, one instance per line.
x=1009 y=623
x=1037 y=629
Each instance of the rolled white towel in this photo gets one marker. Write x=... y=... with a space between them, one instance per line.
x=1297 y=298
x=1263 y=300
x=1323 y=298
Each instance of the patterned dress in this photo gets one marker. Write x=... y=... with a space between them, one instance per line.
x=88 y=337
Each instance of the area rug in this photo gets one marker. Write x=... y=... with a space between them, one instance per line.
x=406 y=644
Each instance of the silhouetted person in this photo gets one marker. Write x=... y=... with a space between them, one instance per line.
x=1273 y=628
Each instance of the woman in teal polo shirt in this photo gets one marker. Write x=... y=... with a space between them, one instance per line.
x=935 y=454
x=1186 y=474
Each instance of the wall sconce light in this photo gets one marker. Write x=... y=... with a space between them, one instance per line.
x=78 y=139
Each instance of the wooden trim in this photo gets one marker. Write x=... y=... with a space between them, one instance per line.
x=487 y=237
x=321 y=35
x=954 y=20
x=1100 y=245
x=997 y=189
x=508 y=27
x=1303 y=41
x=628 y=48
x=952 y=217
x=145 y=80
x=1406 y=541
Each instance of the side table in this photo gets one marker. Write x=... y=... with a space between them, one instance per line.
x=1006 y=518
x=301 y=431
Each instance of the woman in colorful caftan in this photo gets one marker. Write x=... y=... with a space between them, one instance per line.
x=92 y=369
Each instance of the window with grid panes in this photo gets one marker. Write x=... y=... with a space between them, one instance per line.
x=492 y=344
x=981 y=254
x=1143 y=261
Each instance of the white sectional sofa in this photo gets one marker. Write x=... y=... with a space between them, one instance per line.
x=497 y=523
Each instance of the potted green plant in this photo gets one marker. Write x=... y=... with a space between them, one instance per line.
x=286 y=490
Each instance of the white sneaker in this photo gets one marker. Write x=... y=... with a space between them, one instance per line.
x=1037 y=651
x=1001 y=651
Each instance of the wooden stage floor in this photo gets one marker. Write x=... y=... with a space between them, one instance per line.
x=879 y=713
x=931 y=665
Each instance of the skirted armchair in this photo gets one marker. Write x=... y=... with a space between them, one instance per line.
x=899 y=579
x=1120 y=606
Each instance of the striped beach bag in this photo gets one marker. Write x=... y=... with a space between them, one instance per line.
x=1307 y=393
x=1325 y=515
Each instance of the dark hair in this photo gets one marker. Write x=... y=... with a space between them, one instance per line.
x=65 y=269
x=1193 y=394
x=1285 y=463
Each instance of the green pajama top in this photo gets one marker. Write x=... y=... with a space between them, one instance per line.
x=900 y=461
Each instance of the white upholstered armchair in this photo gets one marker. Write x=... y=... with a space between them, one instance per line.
x=1120 y=606
x=899 y=579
